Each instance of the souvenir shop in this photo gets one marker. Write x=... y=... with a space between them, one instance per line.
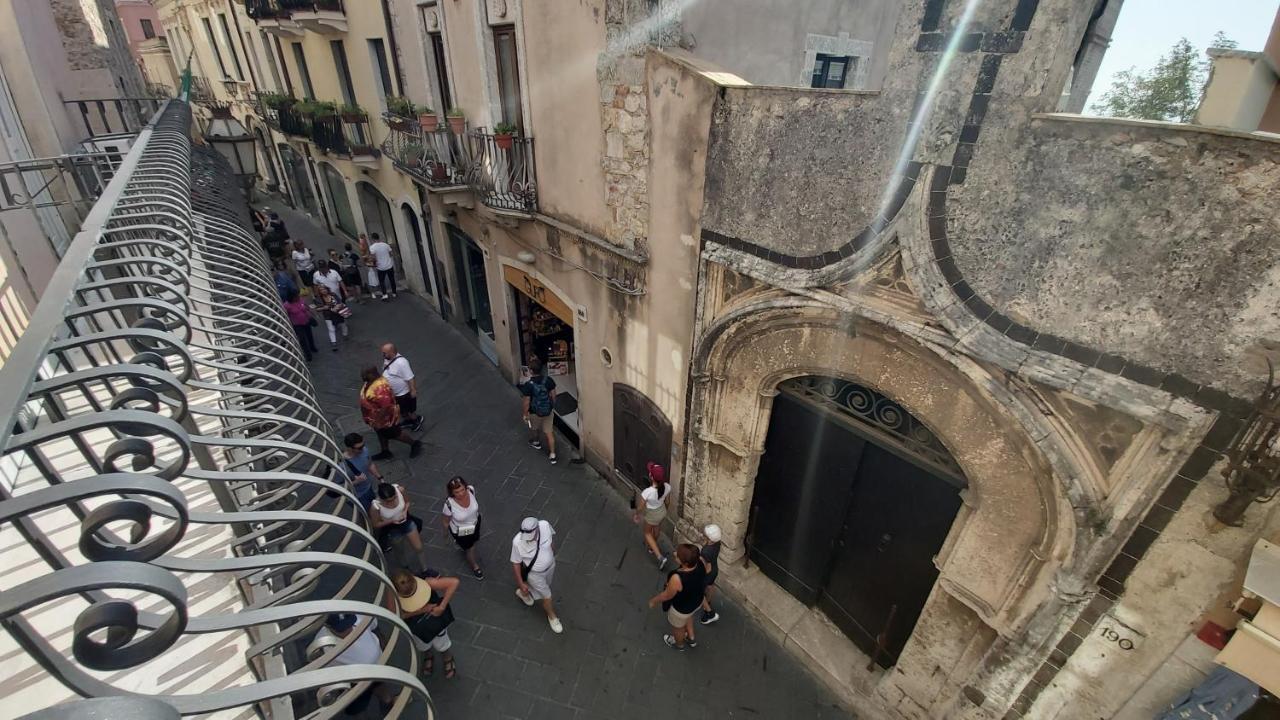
x=544 y=325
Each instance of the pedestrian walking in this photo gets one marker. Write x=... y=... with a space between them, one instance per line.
x=379 y=409
x=284 y=280
x=539 y=393
x=365 y=474
x=395 y=368
x=389 y=514
x=385 y=264
x=424 y=605
x=533 y=561
x=328 y=276
x=335 y=314
x=275 y=236
x=461 y=518
x=651 y=511
x=302 y=320
x=304 y=262
x=259 y=220
x=366 y=649
x=682 y=596
x=711 y=556
x=349 y=266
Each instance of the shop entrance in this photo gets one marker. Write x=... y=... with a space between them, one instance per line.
x=473 y=290
x=854 y=497
x=545 y=328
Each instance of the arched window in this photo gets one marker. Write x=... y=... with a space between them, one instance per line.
x=338 y=199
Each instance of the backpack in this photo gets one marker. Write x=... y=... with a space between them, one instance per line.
x=539 y=397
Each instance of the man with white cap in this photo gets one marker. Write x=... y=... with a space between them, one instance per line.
x=534 y=563
x=711 y=554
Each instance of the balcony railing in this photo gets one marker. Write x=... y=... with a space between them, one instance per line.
x=438 y=159
x=501 y=172
x=293 y=122
x=201 y=92
x=264 y=9
x=322 y=16
x=349 y=136
x=112 y=116
x=178 y=518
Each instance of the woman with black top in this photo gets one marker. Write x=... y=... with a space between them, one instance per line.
x=686 y=586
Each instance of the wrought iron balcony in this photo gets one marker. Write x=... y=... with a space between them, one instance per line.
x=179 y=522
x=501 y=172
x=264 y=9
x=112 y=116
x=327 y=17
x=437 y=159
x=345 y=135
x=201 y=91
x=293 y=122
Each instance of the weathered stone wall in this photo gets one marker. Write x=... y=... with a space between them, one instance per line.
x=93 y=40
x=1160 y=244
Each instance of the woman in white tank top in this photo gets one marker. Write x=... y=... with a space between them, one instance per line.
x=391 y=519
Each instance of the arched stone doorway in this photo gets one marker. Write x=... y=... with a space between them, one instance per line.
x=377 y=213
x=1014 y=530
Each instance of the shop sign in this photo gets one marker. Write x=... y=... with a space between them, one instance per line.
x=539 y=293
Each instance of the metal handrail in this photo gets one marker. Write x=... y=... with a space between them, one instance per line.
x=111 y=116
x=503 y=177
x=439 y=159
x=159 y=371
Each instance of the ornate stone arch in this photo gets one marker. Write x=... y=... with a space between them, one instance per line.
x=1017 y=527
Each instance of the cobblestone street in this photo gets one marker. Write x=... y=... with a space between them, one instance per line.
x=610 y=662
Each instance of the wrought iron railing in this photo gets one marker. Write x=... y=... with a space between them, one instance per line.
x=178 y=520
x=160 y=91
x=201 y=92
x=501 y=172
x=339 y=135
x=313 y=5
x=264 y=9
x=111 y=116
x=293 y=122
x=438 y=159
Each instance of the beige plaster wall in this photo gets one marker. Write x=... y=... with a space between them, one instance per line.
x=564 y=38
x=463 y=23
x=1239 y=90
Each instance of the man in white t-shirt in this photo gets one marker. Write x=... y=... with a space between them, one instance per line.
x=534 y=563
x=395 y=368
x=328 y=276
x=385 y=264
x=304 y=262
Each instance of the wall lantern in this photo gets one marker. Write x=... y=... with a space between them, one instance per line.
x=230 y=138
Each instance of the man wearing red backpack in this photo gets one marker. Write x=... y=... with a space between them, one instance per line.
x=539 y=398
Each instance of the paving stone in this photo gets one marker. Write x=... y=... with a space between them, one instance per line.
x=610 y=662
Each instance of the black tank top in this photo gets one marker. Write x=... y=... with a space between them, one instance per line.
x=693 y=585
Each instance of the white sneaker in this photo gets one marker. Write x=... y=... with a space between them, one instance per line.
x=556 y=626
x=553 y=458
x=524 y=597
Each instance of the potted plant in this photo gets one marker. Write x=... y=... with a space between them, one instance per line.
x=504 y=135
x=400 y=107
x=457 y=120
x=276 y=101
x=411 y=154
x=353 y=113
x=317 y=108
x=428 y=119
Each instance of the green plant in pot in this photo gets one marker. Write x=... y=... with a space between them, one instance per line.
x=317 y=108
x=504 y=135
x=401 y=107
x=276 y=101
x=353 y=113
x=411 y=154
x=457 y=120
x=428 y=119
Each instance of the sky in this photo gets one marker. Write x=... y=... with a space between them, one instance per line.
x=1148 y=28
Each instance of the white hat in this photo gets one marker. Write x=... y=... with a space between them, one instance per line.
x=528 y=537
x=712 y=532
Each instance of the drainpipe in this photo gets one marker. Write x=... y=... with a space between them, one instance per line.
x=393 y=47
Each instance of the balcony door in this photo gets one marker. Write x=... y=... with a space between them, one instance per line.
x=504 y=47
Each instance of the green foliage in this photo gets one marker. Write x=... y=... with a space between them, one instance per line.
x=504 y=129
x=275 y=101
x=1222 y=42
x=404 y=107
x=455 y=112
x=1170 y=91
x=352 y=109
x=317 y=108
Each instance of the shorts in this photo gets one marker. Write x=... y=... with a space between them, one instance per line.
x=467 y=541
x=404 y=528
x=351 y=278
x=540 y=583
x=677 y=619
x=440 y=643
x=542 y=423
x=711 y=579
x=408 y=404
x=388 y=433
x=655 y=517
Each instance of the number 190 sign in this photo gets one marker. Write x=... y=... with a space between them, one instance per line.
x=1117 y=635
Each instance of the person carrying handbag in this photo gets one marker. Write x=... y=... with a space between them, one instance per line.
x=424 y=605
x=461 y=518
x=533 y=562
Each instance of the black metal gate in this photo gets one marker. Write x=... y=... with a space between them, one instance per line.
x=853 y=499
x=641 y=432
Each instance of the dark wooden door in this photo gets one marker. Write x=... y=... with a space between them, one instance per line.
x=883 y=568
x=641 y=433
x=849 y=521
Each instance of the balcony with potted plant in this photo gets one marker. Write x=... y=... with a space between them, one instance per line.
x=326 y=17
x=402 y=114
x=272 y=16
x=501 y=170
x=269 y=104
